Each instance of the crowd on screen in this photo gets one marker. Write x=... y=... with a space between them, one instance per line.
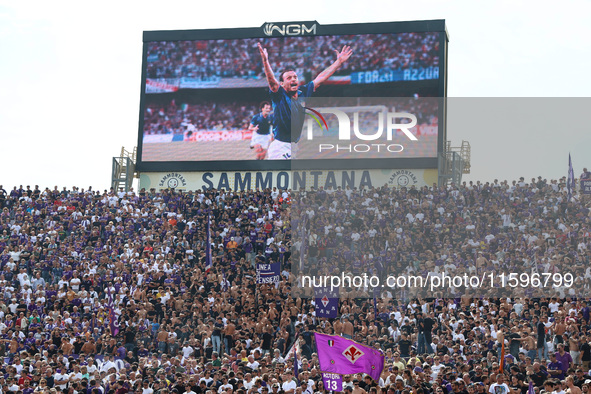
x=177 y=118
x=208 y=59
x=73 y=259
x=174 y=119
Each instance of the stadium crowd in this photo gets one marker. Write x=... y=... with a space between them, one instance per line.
x=209 y=59
x=174 y=118
x=111 y=292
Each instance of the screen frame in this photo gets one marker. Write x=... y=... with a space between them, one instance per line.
x=320 y=164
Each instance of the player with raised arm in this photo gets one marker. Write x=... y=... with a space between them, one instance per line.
x=261 y=127
x=285 y=95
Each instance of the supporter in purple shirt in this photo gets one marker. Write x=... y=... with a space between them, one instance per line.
x=564 y=358
x=121 y=351
x=555 y=368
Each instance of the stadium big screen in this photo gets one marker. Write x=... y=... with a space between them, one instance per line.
x=202 y=89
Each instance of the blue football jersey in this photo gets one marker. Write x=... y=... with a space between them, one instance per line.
x=284 y=108
x=265 y=124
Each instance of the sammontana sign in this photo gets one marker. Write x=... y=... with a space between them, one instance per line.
x=250 y=180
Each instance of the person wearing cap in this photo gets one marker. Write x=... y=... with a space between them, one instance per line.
x=348 y=329
x=305 y=388
x=399 y=384
x=232 y=245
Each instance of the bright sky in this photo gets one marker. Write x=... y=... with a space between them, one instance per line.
x=70 y=74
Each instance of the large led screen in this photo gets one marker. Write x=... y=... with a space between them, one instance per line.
x=209 y=99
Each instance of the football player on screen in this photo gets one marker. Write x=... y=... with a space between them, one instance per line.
x=260 y=127
x=285 y=94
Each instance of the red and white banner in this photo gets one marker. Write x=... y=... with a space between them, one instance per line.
x=219 y=135
x=161 y=85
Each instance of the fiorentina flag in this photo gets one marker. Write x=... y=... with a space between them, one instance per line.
x=344 y=356
x=208 y=261
x=570 y=179
x=293 y=350
x=113 y=323
x=530 y=390
x=327 y=302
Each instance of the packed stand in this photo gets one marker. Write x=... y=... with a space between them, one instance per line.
x=476 y=227
x=210 y=59
x=175 y=119
x=180 y=118
x=79 y=265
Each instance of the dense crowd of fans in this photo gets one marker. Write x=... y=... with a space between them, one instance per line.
x=175 y=119
x=493 y=227
x=208 y=59
x=74 y=262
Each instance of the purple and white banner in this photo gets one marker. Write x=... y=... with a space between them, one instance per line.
x=332 y=381
x=268 y=273
x=327 y=302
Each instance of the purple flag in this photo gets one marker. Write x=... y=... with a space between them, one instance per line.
x=332 y=381
x=530 y=390
x=109 y=296
x=208 y=260
x=268 y=273
x=113 y=323
x=327 y=302
x=344 y=356
x=570 y=180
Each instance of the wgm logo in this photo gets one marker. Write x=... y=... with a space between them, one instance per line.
x=386 y=123
x=403 y=178
x=172 y=180
x=292 y=29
